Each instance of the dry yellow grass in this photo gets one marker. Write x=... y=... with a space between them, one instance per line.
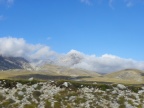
x=58 y=71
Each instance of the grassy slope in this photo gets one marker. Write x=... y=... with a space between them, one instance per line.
x=105 y=78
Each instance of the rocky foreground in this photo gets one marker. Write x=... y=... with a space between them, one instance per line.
x=69 y=94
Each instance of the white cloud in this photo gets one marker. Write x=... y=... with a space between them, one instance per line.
x=129 y=3
x=105 y=63
x=7 y=2
x=86 y=1
x=41 y=53
x=10 y=2
x=111 y=3
x=18 y=47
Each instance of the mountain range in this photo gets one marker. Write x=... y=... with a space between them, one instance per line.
x=19 y=67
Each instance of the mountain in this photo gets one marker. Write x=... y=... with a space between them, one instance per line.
x=61 y=70
x=128 y=74
x=71 y=59
x=7 y=63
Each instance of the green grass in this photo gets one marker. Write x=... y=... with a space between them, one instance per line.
x=30 y=106
x=36 y=95
x=47 y=104
x=121 y=102
x=134 y=88
x=131 y=102
x=57 y=105
x=7 y=103
x=2 y=98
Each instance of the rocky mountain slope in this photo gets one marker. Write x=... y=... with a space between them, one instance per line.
x=13 y=63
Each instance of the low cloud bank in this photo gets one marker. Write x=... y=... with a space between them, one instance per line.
x=105 y=63
x=18 y=47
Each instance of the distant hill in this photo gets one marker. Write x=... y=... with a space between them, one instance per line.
x=61 y=70
x=7 y=63
x=128 y=74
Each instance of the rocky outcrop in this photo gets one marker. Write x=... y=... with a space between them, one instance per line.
x=53 y=94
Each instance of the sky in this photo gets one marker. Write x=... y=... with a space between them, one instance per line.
x=106 y=33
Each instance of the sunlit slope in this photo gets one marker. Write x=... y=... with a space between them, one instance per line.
x=60 y=70
x=52 y=72
x=128 y=74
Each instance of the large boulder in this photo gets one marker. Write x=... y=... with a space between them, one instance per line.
x=121 y=87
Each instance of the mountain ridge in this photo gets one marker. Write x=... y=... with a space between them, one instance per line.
x=7 y=63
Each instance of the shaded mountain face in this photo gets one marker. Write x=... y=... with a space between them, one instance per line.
x=13 y=63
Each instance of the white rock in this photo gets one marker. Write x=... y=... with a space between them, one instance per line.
x=140 y=91
x=121 y=87
x=128 y=105
x=142 y=88
x=20 y=93
x=95 y=83
x=81 y=85
x=72 y=98
x=19 y=85
x=31 y=79
x=35 y=85
x=66 y=84
x=114 y=92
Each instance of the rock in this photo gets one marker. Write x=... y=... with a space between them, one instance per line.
x=142 y=88
x=121 y=87
x=108 y=90
x=72 y=98
x=81 y=85
x=66 y=84
x=19 y=85
x=0 y=82
x=95 y=83
x=31 y=79
x=127 y=105
x=35 y=86
x=140 y=91
x=114 y=92
x=20 y=93
x=52 y=81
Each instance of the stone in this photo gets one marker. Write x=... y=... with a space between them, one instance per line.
x=35 y=86
x=19 y=85
x=142 y=88
x=72 y=98
x=20 y=93
x=140 y=91
x=121 y=87
x=66 y=84
x=114 y=92
x=31 y=79
x=95 y=83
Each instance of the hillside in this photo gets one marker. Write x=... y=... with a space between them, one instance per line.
x=7 y=63
x=128 y=74
x=61 y=70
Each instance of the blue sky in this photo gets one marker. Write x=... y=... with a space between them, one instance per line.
x=90 y=26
